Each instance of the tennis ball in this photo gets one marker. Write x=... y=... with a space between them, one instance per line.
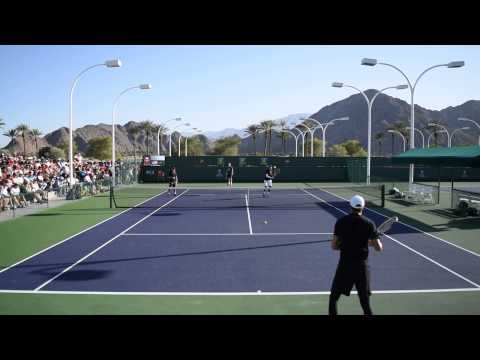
x=259 y=291
x=265 y=222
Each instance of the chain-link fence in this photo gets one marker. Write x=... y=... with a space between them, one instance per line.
x=127 y=172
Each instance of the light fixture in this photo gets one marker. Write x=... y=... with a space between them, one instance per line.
x=113 y=63
x=456 y=64
x=369 y=62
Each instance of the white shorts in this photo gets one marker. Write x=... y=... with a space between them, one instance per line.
x=268 y=183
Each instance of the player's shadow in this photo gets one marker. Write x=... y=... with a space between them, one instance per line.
x=46 y=214
x=74 y=275
x=82 y=275
x=166 y=214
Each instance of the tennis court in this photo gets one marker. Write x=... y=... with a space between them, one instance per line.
x=214 y=241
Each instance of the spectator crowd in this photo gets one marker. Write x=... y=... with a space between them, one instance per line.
x=27 y=180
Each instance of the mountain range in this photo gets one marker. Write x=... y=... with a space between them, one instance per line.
x=386 y=110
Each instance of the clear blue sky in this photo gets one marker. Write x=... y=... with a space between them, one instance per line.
x=215 y=87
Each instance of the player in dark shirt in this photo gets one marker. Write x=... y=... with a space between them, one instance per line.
x=267 y=181
x=352 y=235
x=229 y=173
x=172 y=180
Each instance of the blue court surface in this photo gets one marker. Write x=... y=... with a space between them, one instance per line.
x=214 y=241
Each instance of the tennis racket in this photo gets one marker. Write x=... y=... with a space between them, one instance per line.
x=386 y=225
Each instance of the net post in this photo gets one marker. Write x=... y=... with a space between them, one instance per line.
x=451 y=189
x=13 y=205
x=439 y=183
x=382 y=188
x=111 y=194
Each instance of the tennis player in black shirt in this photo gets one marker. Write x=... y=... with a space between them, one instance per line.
x=229 y=175
x=352 y=235
x=267 y=181
x=172 y=180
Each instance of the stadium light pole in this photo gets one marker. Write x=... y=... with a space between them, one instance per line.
x=478 y=126
x=179 y=144
x=324 y=129
x=369 y=126
x=115 y=103
x=310 y=131
x=302 y=134
x=160 y=128
x=295 y=137
x=403 y=137
x=179 y=138
x=110 y=64
x=423 y=137
x=170 y=137
x=430 y=136
x=444 y=129
x=456 y=130
x=450 y=65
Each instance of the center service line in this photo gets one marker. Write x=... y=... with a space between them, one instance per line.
x=248 y=214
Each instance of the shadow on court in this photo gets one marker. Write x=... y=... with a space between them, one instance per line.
x=75 y=275
x=72 y=213
x=472 y=223
x=53 y=269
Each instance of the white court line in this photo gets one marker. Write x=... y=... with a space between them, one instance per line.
x=203 y=194
x=225 y=234
x=246 y=293
x=409 y=248
x=413 y=227
x=79 y=233
x=248 y=214
x=108 y=242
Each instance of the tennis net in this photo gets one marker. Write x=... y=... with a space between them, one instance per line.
x=282 y=196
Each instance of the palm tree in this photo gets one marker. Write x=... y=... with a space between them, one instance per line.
x=163 y=130
x=23 y=130
x=264 y=127
x=12 y=134
x=267 y=126
x=134 y=131
x=36 y=133
x=379 y=137
x=148 y=127
x=435 y=129
x=253 y=131
x=283 y=135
